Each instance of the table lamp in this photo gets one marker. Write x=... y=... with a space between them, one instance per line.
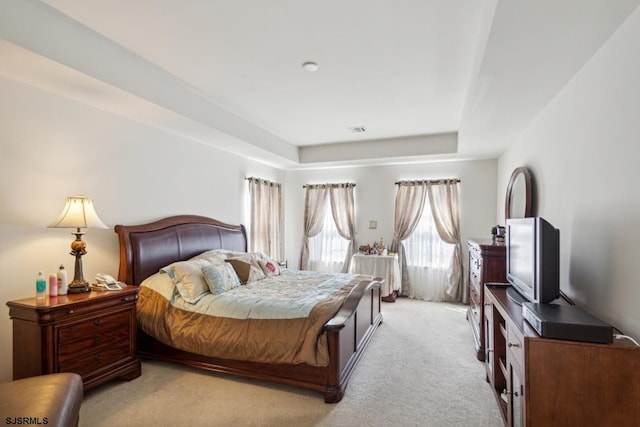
x=78 y=213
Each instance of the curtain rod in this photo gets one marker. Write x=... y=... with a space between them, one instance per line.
x=429 y=181
x=249 y=178
x=266 y=181
x=347 y=184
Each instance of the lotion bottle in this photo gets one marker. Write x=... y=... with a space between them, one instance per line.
x=63 y=283
x=41 y=286
x=53 y=285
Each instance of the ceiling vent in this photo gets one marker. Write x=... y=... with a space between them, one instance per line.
x=357 y=129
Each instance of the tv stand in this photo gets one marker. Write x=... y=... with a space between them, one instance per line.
x=515 y=296
x=550 y=382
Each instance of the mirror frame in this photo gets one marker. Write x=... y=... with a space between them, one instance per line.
x=528 y=196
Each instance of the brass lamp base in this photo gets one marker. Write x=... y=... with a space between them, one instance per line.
x=78 y=248
x=77 y=287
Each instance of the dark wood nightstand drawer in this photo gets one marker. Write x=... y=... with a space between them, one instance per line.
x=93 y=326
x=68 y=312
x=97 y=360
x=94 y=343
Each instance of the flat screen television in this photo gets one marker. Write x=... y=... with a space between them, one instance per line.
x=533 y=260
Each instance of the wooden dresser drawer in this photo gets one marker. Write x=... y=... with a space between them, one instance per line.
x=94 y=343
x=474 y=305
x=73 y=312
x=92 y=326
x=97 y=360
x=475 y=273
x=515 y=346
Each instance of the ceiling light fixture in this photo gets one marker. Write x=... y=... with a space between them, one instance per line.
x=310 y=66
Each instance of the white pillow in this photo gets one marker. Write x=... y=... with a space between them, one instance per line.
x=188 y=277
x=213 y=254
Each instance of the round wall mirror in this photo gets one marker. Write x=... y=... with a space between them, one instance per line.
x=519 y=201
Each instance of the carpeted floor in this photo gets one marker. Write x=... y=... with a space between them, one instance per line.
x=419 y=370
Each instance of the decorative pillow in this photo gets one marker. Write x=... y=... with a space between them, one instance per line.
x=220 y=277
x=231 y=275
x=269 y=266
x=190 y=281
x=242 y=269
x=247 y=271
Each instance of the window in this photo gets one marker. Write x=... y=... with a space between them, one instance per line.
x=428 y=259
x=265 y=217
x=327 y=250
x=425 y=248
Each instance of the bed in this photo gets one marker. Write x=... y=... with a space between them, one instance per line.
x=148 y=248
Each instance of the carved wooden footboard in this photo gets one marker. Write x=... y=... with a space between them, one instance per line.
x=144 y=249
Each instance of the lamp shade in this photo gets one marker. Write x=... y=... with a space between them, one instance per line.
x=78 y=213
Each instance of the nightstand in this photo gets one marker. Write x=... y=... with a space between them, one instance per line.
x=92 y=334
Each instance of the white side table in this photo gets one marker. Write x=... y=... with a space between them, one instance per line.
x=385 y=266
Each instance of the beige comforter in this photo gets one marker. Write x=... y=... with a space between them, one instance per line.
x=198 y=329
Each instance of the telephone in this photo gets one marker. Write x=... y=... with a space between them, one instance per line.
x=104 y=282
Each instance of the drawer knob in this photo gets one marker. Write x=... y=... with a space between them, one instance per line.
x=97 y=340
x=97 y=322
x=70 y=312
x=513 y=345
x=98 y=356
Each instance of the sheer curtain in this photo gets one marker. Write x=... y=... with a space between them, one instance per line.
x=327 y=249
x=315 y=209
x=444 y=201
x=343 y=212
x=265 y=217
x=329 y=235
x=428 y=240
x=410 y=197
x=428 y=260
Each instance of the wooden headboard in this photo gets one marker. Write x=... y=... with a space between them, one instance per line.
x=146 y=248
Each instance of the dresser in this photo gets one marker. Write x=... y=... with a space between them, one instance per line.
x=487 y=264
x=92 y=334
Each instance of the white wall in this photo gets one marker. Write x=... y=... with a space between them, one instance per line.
x=375 y=197
x=583 y=150
x=51 y=148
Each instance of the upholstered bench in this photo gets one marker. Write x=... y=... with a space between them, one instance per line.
x=52 y=400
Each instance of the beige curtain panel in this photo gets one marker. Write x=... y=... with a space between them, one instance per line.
x=410 y=198
x=342 y=210
x=265 y=217
x=443 y=198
